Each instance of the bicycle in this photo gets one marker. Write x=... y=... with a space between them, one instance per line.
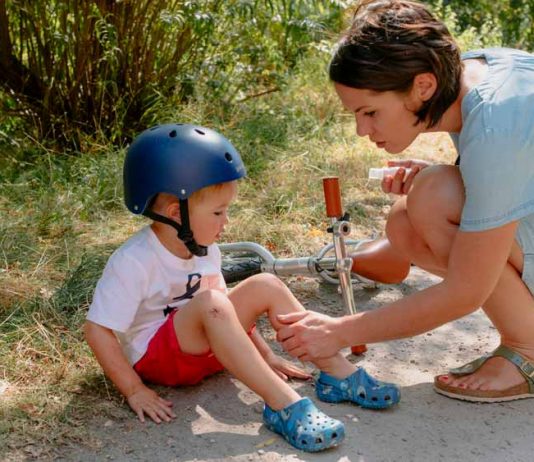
x=244 y=259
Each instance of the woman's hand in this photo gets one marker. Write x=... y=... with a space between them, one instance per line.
x=397 y=184
x=309 y=336
x=285 y=368
x=146 y=401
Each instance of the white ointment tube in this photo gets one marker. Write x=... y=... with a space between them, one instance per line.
x=381 y=173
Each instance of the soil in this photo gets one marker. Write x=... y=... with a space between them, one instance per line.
x=220 y=420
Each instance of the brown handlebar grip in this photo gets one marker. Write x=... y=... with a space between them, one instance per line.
x=332 y=197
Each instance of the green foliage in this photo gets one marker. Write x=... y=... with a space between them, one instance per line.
x=255 y=52
x=487 y=22
x=79 y=67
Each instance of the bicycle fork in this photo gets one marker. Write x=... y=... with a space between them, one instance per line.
x=340 y=228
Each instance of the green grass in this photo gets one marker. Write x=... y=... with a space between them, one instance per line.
x=61 y=217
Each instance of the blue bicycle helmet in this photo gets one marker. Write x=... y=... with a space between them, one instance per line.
x=177 y=159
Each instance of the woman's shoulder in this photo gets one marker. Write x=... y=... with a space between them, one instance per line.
x=495 y=53
x=504 y=101
x=509 y=77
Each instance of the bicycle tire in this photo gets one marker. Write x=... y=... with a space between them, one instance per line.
x=238 y=269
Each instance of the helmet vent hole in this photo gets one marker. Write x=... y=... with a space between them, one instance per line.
x=228 y=157
x=153 y=128
x=173 y=134
x=200 y=132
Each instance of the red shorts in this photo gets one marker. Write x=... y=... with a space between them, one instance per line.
x=164 y=362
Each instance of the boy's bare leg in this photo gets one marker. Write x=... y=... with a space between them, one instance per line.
x=423 y=227
x=265 y=293
x=209 y=321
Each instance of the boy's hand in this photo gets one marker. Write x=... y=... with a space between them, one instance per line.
x=146 y=401
x=284 y=368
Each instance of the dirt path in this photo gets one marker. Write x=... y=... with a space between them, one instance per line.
x=221 y=419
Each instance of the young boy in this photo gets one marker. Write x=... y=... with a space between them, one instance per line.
x=161 y=312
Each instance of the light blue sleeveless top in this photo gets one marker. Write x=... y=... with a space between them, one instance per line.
x=496 y=143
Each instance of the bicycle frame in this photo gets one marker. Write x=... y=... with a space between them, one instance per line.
x=315 y=265
x=281 y=266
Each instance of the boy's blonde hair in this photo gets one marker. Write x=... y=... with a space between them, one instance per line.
x=200 y=195
x=162 y=200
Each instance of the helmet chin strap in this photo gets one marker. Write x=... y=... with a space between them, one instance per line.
x=184 y=230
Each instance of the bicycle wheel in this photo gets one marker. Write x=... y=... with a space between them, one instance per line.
x=235 y=269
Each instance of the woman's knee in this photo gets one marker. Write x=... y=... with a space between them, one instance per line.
x=423 y=224
x=433 y=204
x=437 y=196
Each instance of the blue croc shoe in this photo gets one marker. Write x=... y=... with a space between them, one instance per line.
x=304 y=426
x=359 y=388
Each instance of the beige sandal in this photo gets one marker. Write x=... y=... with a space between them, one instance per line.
x=522 y=391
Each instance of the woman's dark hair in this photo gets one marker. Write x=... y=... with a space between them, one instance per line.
x=391 y=41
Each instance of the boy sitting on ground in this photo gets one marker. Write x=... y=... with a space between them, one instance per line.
x=161 y=312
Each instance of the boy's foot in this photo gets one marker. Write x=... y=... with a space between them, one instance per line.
x=304 y=426
x=359 y=388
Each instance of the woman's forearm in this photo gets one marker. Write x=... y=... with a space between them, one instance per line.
x=412 y=315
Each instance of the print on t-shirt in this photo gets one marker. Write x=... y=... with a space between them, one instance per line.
x=190 y=289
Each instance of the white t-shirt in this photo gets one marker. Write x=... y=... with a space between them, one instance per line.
x=141 y=284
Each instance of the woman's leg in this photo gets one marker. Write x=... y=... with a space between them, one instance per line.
x=388 y=259
x=380 y=261
x=511 y=310
x=422 y=227
x=209 y=321
x=266 y=293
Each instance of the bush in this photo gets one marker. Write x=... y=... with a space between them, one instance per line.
x=506 y=23
x=77 y=67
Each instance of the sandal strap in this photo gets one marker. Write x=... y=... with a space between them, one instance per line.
x=471 y=366
x=523 y=364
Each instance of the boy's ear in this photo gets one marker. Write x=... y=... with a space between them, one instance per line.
x=173 y=211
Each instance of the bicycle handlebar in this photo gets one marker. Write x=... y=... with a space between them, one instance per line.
x=332 y=197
